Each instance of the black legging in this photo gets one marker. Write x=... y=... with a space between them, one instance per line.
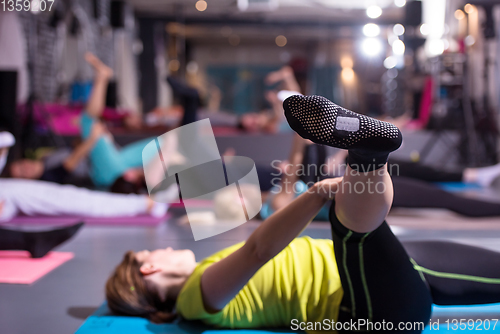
x=411 y=193
x=421 y=172
x=38 y=243
x=413 y=187
x=189 y=98
x=385 y=280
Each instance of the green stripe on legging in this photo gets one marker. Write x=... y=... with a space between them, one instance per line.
x=415 y=265
x=344 y=259
x=457 y=276
x=363 y=278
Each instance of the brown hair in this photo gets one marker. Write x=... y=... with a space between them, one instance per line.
x=128 y=293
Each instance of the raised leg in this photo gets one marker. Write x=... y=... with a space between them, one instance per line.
x=373 y=189
x=368 y=142
x=97 y=100
x=379 y=281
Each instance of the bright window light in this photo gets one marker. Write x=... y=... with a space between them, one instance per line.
x=371 y=47
x=373 y=12
x=398 y=47
x=436 y=47
x=371 y=30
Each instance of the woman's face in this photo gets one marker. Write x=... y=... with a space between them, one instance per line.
x=168 y=262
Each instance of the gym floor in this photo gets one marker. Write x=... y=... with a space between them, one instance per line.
x=60 y=301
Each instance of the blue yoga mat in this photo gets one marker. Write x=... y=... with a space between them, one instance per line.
x=102 y=322
x=458 y=186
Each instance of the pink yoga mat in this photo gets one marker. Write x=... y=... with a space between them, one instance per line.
x=17 y=267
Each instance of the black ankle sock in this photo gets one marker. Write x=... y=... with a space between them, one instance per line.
x=37 y=243
x=366 y=161
x=368 y=140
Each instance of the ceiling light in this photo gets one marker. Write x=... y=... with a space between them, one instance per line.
x=469 y=9
x=398 y=29
x=390 y=62
x=201 y=5
x=436 y=47
x=347 y=74
x=373 y=12
x=424 y=29
x=281 y=41
x=398 y=47
x=346 y=62
x=371 y=46
x=459 y=14
x=400 y=3
x=371 y=30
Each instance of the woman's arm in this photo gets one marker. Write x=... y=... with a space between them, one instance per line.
x=224 y=279
x=82 y=150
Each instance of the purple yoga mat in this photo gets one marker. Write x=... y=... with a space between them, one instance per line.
x=143 y=220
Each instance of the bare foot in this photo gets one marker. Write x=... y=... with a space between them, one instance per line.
x=100 y=68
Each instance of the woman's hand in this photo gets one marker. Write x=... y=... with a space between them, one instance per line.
x=327 y=188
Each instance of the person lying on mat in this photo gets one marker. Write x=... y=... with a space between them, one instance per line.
x=119 y=169
x=412 y=182
x=275 y=279
x=62 y=166
x=483 y=176
x=37 y=243
x=34 y=197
